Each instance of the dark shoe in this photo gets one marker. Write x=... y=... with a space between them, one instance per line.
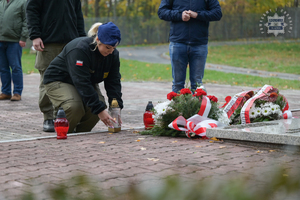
x=48 y=125
x=4 y=96
x=16 y=97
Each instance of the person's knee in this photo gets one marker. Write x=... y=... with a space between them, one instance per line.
x=74 y=112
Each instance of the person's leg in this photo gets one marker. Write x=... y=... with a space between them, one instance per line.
x=14 y=53
x=89 y=120
x=197 y=60
x=66 y=96
x=43 y=60
x=179 y=60
x=5 y=72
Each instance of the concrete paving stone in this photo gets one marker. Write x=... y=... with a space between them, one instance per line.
x=120 y=158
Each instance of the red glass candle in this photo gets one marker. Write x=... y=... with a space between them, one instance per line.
x=148 y=116
x=61 y=124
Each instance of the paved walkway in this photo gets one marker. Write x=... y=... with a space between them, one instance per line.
x=31 y=158
x=35 y=160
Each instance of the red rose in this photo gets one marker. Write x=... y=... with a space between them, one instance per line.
x=213 y=98
x=185 y=91
x=171 y=95
x=199 y=92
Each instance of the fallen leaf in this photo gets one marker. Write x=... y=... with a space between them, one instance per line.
x=211 y=141
x=258 y=152
x=110 y=133
x=198 y=146
x=221 y=147
x=271 y=150
x=215 y=139
x=174 y=141
x=153 y=159
x=285 y=175
x=101 y=142
x=138 y=140
x=135 y=131
x=143 y=149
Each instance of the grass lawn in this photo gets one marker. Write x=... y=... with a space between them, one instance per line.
x=277 y=57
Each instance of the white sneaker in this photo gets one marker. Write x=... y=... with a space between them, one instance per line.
x=203 y=88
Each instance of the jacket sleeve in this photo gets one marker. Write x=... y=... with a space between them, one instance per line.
x=80 y=20
x=24 y=33
x=213 y=13
x=165 y=12
x=81 y=79
x=112 y=83
x=33 y=15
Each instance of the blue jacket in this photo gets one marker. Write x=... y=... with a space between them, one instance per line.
x=194 y=31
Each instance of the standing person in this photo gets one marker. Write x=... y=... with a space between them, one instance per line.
x=52 y=24
x=71 y=80
x=13 y=35
x=188 y=37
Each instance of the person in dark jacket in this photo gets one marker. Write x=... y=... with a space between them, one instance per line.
x=188 y=37
x=52 y=24
x=72 y=78
x=13 y=36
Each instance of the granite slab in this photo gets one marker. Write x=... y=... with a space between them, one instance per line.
x=285 y=131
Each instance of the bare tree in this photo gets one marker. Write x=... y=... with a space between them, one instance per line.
x=97 y=8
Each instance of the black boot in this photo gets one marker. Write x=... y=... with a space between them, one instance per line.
x=48 y=125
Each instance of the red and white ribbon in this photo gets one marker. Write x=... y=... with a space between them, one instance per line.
x=196 y=124
x=234 y=103
x=287 y=114
x=205 y=107
x=245 y=118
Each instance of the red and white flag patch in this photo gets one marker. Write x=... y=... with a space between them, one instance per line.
x=79 y=62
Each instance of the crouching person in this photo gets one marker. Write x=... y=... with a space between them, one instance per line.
x=72 y=78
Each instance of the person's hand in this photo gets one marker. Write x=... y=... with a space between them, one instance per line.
x=22 y=44
x=185 y=16
x=38 y=44
x=192 y=14
x=106 y=118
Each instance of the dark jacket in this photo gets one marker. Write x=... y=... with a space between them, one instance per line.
x=55 y=21
x=82 y=67
x=194 y=31
x=13 y=26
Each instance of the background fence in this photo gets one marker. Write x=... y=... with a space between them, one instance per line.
x=140 y=30
x=137 y=30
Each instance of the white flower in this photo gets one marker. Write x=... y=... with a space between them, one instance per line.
x=274 y=108
x=266 y=111
x=161 y=109
x=258 y=111
x=252 y=113
x=267 y=104
x=223 y=118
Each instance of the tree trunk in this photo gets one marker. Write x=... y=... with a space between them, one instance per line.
x=97 y=8
x=86 y=7
x=296 y=3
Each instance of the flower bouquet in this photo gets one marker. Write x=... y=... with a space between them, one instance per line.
x=193 y=113
x=264 y=104
x=184 y=105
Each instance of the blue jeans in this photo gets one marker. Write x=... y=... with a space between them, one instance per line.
x=181 y=56
x=11 y=68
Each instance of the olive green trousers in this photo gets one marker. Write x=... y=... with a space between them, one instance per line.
x=65 y=95
x=43 y=59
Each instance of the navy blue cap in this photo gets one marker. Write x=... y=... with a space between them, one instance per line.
x=109 y=34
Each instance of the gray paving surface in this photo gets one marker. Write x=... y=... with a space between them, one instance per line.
x=31 y=158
